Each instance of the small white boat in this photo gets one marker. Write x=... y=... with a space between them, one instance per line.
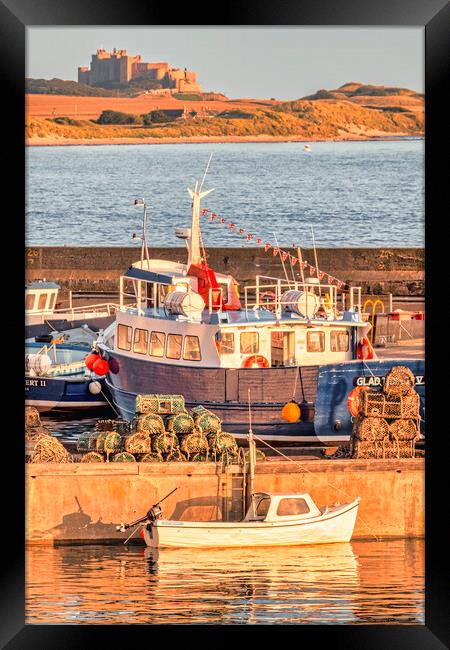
x=307 y=147
x=271 y=520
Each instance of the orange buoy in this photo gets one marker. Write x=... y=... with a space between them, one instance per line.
x=91 y=358
x=256 y=361
x=354 y=400
x=291 y=412
x=100 y=367
x=364 y=349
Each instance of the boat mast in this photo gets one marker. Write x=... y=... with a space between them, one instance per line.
x=194 y=248
x=252 y=457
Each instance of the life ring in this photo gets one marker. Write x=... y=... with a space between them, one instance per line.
x=354 y=400
x=364 y=350
x=256 y=360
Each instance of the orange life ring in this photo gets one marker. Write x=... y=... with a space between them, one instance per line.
x=354 y=399
x=364 y=350
x=256 y=360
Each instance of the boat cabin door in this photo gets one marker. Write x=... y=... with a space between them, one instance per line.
x=282 y=348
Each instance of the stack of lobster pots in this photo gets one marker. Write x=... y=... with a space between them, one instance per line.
x=161 y=430
x=388 y=421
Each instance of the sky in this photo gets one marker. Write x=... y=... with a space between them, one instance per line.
x=260 y=62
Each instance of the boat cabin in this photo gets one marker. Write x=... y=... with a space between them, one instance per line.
x=281 y=507
x=40 y=297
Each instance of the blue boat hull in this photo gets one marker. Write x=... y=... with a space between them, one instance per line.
x=47 y=394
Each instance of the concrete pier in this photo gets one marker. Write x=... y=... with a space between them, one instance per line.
x=377 y=270
x=82 y=503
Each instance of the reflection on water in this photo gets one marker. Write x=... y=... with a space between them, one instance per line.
x=361 y=582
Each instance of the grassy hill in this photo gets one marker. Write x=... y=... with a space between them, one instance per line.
x=345 y=113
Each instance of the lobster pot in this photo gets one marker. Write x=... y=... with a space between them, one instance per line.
x=390 y=406
x=199 y=458
x=113 y=442
x=151 y=423
x=180 y=423
x=123 y=457
x=399 y=449
x=138 y=443
x=399 y=381
x=194 y=443
x=152 y=457
x=185 y=303
x=366 y=448
x=92 y=457
x=121 y=426
x=221 y=441
x=32 y=418
x=228 y=457
x=303 y=303
x=92 y=442
x=175 y=456
x=83 y=441
x=370 y=429
x=205 y=420
x=163 y=404
x=260 y=455
x=100 y=441
x=164 y=442
x=403 y=430
x=33 y=434
x=49 y=450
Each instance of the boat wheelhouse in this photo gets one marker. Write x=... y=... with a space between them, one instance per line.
x=182 y=328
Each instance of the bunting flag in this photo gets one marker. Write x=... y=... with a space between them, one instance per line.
x=275 y=250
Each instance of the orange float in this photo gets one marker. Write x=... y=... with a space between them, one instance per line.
x=256 y=360
x=354 y=400
x=364 y=349
x=291 y=412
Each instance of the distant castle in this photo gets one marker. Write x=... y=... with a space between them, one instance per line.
x=118 y=67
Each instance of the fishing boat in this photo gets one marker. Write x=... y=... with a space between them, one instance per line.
x=56 y=377
x=271 y=520
x=189 y=332
x=42 y=315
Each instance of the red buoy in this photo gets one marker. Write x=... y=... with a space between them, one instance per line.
x=100 y=367
x=91 y=358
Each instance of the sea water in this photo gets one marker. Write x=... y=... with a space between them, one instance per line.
x=366 y=193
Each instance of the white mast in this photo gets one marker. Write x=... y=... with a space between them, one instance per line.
x=194 y=240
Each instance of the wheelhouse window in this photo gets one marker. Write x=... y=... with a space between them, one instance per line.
x=42 y=301
x=292 y=507
x=249 y=342
x=339 y=341
x=174 y=344
x=140 y=341
x=157 y=340
x=124 y=334
x=227 y=343
x=263 y=507
x=52 y=301
x=315 y=341
x=30 y=300
x=192 y=348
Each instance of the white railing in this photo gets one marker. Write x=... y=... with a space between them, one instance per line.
x=267 y=293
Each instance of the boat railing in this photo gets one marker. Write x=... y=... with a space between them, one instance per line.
x=268 y=292
x=102 y=307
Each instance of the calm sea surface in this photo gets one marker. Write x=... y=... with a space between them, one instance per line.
x=352 y=193
x=361 y=582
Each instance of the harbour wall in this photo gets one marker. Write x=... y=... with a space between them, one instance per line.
x=378 y=270
x=82 y=503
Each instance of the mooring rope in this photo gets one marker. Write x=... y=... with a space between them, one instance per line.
x=323 y=479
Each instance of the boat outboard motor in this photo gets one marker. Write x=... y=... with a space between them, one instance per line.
x=153 y=514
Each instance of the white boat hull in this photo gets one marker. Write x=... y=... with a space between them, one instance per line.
x=335 y=525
